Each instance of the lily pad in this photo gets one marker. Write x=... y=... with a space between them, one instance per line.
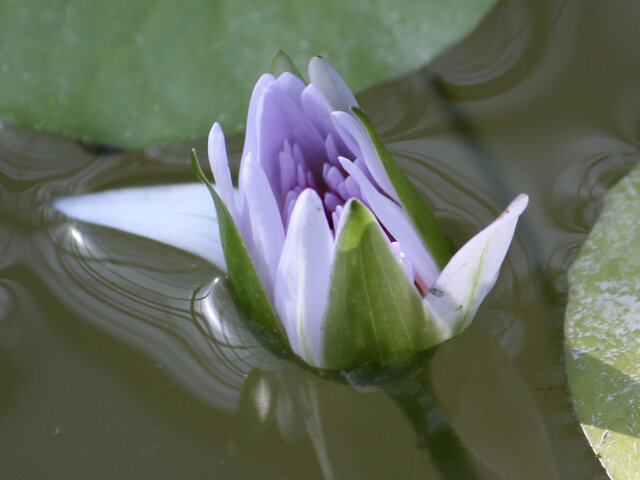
x=139 y=73
x=603 y=332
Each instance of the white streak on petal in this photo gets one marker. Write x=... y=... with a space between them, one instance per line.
x=302 y=282
x=472 y=272
x=393 y=217
x=182 y=216
x=266 y=229
x=220 y=167
x=353 y=131
x=332 y=85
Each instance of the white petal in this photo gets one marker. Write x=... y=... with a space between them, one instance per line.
x=179 y=215
x=266 y=229
x=220 y=167
x=397 y=222
x=353 y=132
x=332 y=85
x=472 y=272
x=302 y=283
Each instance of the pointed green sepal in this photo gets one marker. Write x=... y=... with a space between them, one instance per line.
x=282 y=63
x=246 y=287
x=438 y=244
x=375 y=314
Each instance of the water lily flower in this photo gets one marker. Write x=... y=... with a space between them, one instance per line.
x=328 y=243
x=330 y=250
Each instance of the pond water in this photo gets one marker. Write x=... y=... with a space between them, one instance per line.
x=109 y=368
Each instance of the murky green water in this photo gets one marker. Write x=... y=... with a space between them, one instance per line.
x=108 y=368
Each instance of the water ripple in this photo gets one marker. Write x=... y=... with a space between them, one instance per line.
x=159 y=299
x=500 y=53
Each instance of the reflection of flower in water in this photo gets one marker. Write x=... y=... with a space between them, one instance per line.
x=335 y=419
x=165 y=305
x=160 y=304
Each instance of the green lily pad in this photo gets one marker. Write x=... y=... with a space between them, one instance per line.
x=138 y=73
x=602 y=332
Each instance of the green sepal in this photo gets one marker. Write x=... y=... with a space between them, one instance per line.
x=433 y=237
x=375 y=315
x=246 y=287
x=282 y=63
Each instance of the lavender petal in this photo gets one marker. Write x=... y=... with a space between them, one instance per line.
x=303 y=277
x=220 y=167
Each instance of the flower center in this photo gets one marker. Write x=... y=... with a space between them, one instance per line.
x=334 y=186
